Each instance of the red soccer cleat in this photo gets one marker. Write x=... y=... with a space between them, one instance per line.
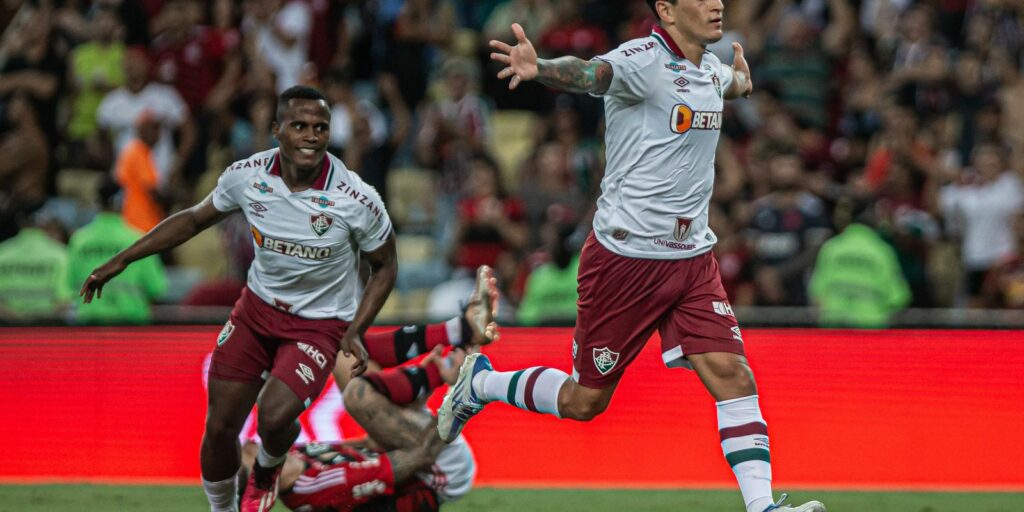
x=259 y=499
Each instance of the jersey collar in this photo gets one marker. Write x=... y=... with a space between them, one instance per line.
x=661 y=35
x=326 y=172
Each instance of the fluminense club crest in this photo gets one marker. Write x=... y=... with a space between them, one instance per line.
x=320 y=223
x=605 y=359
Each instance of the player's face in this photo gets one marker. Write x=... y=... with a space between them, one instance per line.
x=699 y=19
x=303 y=131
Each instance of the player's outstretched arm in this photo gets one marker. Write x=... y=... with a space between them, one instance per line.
x=565 y=73
x=741 y=83
x=172 y=232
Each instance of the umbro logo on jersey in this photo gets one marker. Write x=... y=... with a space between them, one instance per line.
x=685 y=118
x=681 y=83
x=320 y=223
x=263 y=187
x=322 y=201
x=257 y=208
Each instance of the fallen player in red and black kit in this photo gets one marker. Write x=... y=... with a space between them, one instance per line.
x=402 y=466
x=386 y=473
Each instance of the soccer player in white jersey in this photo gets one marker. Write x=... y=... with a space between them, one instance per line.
x=311 y=219
x=648 y=263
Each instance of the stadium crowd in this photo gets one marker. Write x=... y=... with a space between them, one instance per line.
x=877 y=166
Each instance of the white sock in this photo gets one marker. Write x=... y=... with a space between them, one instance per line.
x=267 y=460
x=533 y=389
x=223 y=495
x=744 y=435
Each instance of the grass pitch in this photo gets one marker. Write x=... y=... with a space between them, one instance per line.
x=103 y=498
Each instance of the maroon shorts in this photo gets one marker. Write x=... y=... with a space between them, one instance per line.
x=260 y=340
x=623 y=300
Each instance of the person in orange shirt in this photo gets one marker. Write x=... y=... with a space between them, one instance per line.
x=137 y=174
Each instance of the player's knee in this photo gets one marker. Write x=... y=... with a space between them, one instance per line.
x=739 y=376
x=582 y=410
x=220 y=428
x=274 y=420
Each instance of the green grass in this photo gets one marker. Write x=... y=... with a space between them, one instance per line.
x=101 y=498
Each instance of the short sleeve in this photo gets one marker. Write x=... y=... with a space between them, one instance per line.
x=727 y=76
x=371 y=225
x=226 y=194
x=629 y=83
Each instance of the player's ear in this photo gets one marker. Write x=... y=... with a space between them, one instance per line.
x=274 y=127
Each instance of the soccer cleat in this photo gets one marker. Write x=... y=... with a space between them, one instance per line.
x=810 y=506
x=482 y=307
x=259 y=499
x=461 y=403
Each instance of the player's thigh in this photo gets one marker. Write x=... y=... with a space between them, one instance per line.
x=621 y=302
x=306 y=354
x=229 y=404
x=242 y=353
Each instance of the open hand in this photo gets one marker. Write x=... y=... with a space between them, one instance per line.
x=521 y=59
x=99 y=277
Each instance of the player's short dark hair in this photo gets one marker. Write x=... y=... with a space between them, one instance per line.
x=108 y=193
x=650 y=3
x=298 y=92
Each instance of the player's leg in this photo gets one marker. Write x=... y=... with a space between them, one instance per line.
x=233 y=384
x=367 y=400
x=620 y=302
x=476 y=326
x=702 y=333
x=228 y=404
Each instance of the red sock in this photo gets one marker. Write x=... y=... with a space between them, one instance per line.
x=390 y=349
x=404 y=385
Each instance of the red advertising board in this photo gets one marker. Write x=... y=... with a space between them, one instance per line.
x=845 y=409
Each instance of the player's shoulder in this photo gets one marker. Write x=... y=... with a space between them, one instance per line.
x=250 y=165
x=635 y=54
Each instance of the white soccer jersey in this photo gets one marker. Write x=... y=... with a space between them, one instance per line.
x=306 y=242
x=664 y=115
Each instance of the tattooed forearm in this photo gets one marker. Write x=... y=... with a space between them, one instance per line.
x=575 y=75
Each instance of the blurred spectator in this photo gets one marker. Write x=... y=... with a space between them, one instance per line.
x=360 y=132
x=981 y=208
x=96 y=68
x=571 y=34
x=188 y=54
x=550 y=295
x=490 y=229
x=547 y=192
x=421 y=26
x=534 y=15
x=23 y=168
x=1004 y=286
x=787 y=227
x=136 y=172
x=280 y=37
x=122 y=107
x=33 y=276
x=32 y=66
x=126 y=299
x=857 y=280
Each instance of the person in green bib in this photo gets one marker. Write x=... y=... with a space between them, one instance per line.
x=857 y=281
x=33 y=276
x=126 y=299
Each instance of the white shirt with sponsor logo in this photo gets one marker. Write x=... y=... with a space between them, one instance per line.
x=307 y=242
x=664 y=116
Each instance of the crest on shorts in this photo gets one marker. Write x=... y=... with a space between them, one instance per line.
x=225 y=333
x=682 y=231
x=605 y=359
x=320 y=223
